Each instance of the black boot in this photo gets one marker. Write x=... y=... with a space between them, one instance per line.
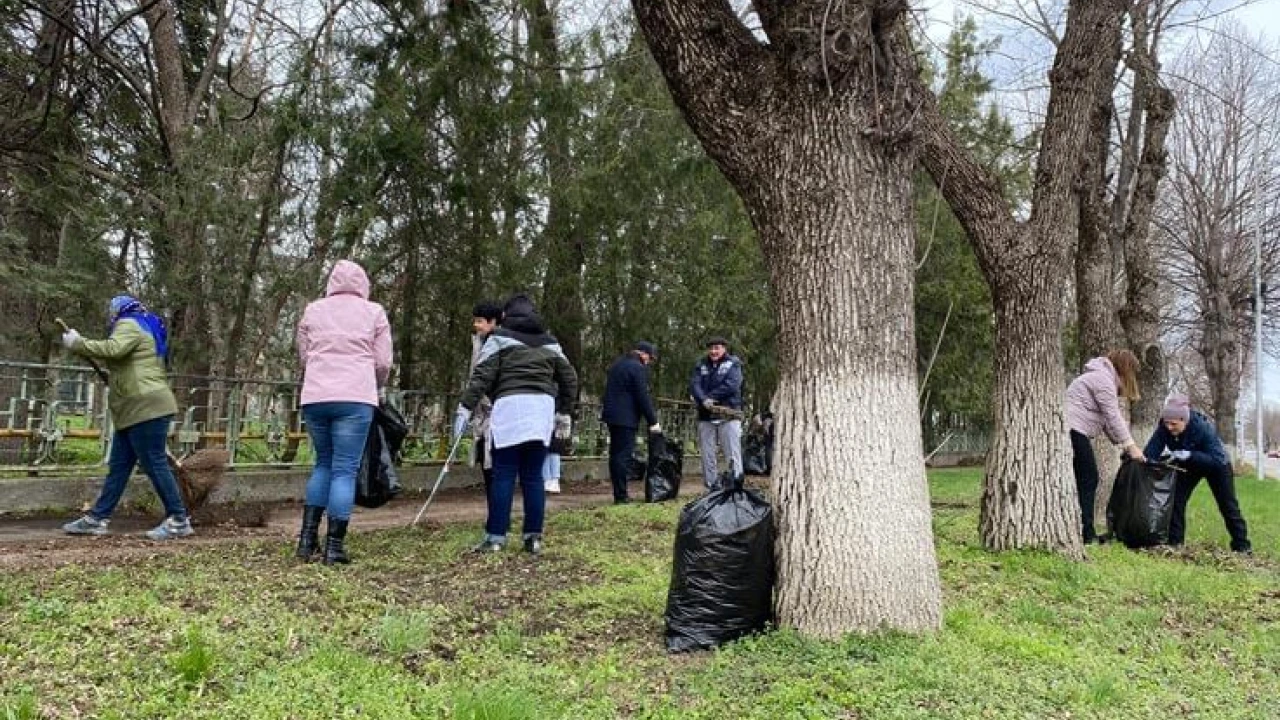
x=308 y=538
x=334 y=552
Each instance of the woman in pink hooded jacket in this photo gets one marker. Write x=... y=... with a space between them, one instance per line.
x=1093 y=406
x=344 y=345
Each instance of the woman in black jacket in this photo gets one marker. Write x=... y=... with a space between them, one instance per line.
x=523 y=370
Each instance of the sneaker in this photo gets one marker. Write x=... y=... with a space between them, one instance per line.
x=171 y=528
x=485 y=547
x=552 y=485
x=622 y=501
x=533 y=545
x=87 y=525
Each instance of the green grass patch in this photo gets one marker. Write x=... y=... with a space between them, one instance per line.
x=417 y=629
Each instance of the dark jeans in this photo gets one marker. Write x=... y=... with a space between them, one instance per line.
x=622 y=444
x=142 y=444
x=485 y=472
x=1222 y=483
x=524 y=460
x=338 y=431
x=1085 y=467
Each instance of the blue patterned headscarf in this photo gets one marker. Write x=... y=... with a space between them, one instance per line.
x=124 y=306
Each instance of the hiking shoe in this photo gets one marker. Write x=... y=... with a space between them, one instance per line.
x=171 y=528
x=87 y=525
x=553 y=486
x=533 y=545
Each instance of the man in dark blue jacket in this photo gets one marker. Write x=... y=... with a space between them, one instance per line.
x=716 y=387
x=1193 y=444
x=626 y=401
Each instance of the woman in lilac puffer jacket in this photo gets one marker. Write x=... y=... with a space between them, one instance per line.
x=1093 y=406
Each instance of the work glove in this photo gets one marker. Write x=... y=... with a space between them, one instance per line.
x=655 y=429
x=461 y=418
x=1180 y=455
x=708 y=403
x=70 y=338
x=564 y=427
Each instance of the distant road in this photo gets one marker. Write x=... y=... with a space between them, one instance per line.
x=1272 y=464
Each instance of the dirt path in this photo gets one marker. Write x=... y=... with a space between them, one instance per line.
x=39 y=541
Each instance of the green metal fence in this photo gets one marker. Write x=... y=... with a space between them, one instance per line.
x=53 y=419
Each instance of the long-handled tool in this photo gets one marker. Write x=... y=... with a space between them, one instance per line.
x=725 y=412
x=443 y=471
x=92 y=363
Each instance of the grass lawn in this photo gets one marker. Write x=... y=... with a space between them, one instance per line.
x=415 y=630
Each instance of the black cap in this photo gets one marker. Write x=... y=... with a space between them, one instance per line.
x=647 y=348
x=717 y=340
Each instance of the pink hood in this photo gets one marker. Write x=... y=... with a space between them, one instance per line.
x=347 y=278
x=344 y=341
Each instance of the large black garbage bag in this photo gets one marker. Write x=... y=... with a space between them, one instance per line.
x=722 y=579
x=755 y=455
x=663 y=471
x=636 y=469
x=394 y=428
x=377 y=481
x=1141 y=503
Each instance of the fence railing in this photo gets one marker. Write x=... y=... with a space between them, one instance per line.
x=54 y=418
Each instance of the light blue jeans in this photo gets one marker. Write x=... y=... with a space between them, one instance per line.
x=338 y=431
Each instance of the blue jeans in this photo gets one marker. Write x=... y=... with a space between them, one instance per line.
x=142 y=444
x=338 y=431
x=526 y=461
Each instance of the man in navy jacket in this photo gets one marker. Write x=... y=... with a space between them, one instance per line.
x=1193 y=444
x=626 y=401
x=716 y=387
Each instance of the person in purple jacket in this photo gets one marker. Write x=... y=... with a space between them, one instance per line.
x=344 y=346
x=1189 y=440
x=1093 y=407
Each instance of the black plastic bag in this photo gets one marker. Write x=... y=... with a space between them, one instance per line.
x=1141 y=503
x=377 y=481
x=722 y=579
x=663 y=471
x=394 y=428
x=755 y=455
x=636 y=469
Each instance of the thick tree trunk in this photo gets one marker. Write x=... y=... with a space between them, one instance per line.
x=1096 y=301
x=815 y=143
x=1224 y=366
x=1029 y=499
x=855 y=544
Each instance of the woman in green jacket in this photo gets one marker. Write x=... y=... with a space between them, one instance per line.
x=142 y=406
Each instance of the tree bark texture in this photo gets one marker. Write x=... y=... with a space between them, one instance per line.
x=1028 y=497
x=1096 y=301
x=1116 y=273
x=824 y=171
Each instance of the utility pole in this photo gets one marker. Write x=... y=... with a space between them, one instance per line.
x=1257 y=346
